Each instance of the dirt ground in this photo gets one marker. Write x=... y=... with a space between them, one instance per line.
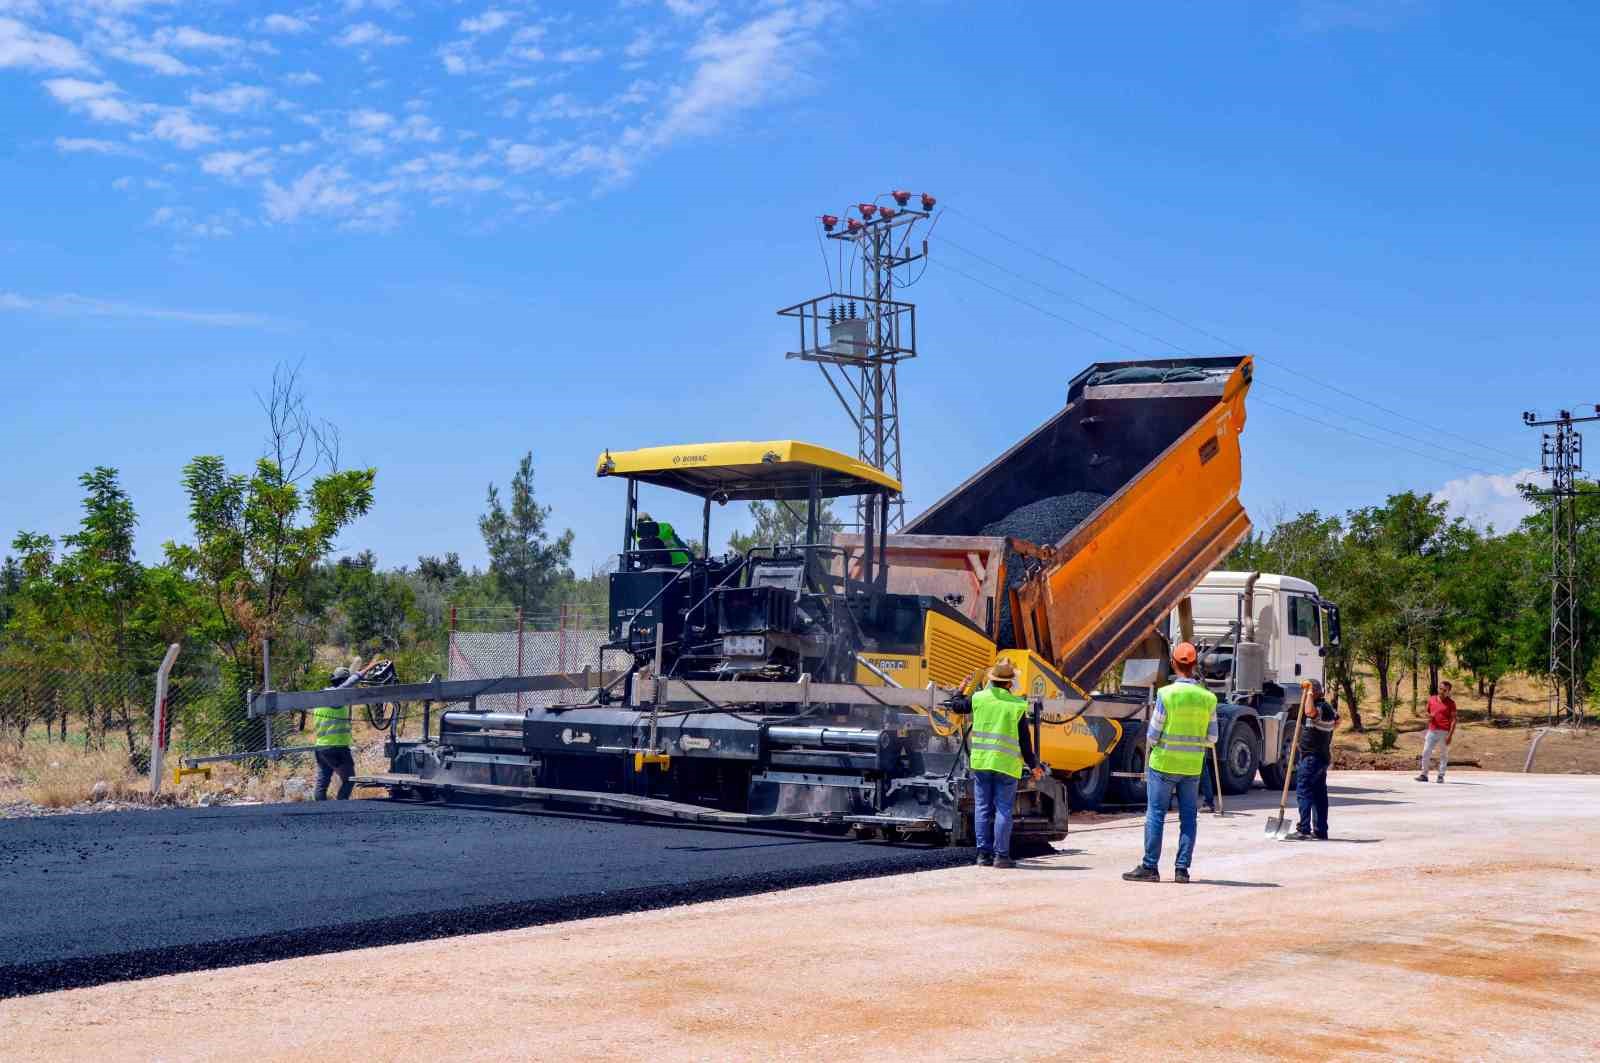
x=1443 y=921
x=1497 y=743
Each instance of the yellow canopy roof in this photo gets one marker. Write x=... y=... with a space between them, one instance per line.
x=746 y=471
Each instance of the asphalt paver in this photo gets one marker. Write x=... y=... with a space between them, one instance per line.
x=92 y=899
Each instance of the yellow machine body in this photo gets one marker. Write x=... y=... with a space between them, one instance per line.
x=956 y=656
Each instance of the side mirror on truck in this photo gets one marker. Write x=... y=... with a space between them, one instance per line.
x=1332 y=623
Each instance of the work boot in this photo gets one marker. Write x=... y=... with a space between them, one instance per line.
x=1320 y=837
x=985 y=860
x=1142 y=874
x=1180 y=874
x=1209 y=806
x=1439 y=779
x=1299 y=836
x=1003 y=862
x=1423 y=777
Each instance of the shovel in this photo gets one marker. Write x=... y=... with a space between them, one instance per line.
x=1278 y=827
x=1216 y=777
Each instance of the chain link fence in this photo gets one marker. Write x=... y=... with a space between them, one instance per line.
x=110 y=709
x=493 y=643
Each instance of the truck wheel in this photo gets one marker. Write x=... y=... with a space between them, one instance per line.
x=1128 y=757
x=1272 y=774
x=1241 y=757
x=1086 y=789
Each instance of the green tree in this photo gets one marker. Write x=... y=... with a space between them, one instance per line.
x=258 y=537
x=1486 y=602
x=780 y=523
x=526 y=562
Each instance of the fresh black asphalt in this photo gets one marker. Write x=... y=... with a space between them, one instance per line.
x=99 y=898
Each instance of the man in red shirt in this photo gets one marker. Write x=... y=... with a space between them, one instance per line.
x=1441 y=728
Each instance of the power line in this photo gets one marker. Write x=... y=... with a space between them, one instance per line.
x=1372 y=439
x=1382 y=427
x=1428 y=443
x=1035 y=306
x=1063 y=295
x=1234 y=347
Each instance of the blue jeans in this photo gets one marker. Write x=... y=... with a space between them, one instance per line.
x=1159 y=789
x=1311 y=793
x=994 y=795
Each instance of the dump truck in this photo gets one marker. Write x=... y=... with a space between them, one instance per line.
x=819 y=682
x=1130 y=494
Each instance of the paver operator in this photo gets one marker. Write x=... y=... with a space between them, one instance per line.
x=1441 y=729
x=1182 y=728
x=1001 y=747
x=333 y=743
x=1314 y=757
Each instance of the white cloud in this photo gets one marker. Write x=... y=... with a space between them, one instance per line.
x=98 y=99
x=196 y=40
x=1483 y=500
x=151 y=59
x=235 y=99
x=26 y=48
x=74 y=305
x=352 y=6
x=524 y=157
x=256 y=162
x=578 y=55
x=284 y=24
x=418 y=127
x=643 y=44
x=690 y=8
x=303 y=77
x=78 y=145
x=366 y=34
x=491 y=21
x=182 y=221
x=301 y=147
x=322 y=189
x=741 y=68
x=178 y=127
x=370 y=121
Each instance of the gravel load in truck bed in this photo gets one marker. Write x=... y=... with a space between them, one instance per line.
x=1043 y=523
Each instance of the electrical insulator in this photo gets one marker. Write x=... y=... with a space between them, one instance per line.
x=886 y=212
x=900 y=197
x=852 y=225
x=928 y=201
x=867 y=210
x=828 y=222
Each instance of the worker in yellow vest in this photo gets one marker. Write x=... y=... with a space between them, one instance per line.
x=333 y=743
x=1182 y=728
x=1001 y=746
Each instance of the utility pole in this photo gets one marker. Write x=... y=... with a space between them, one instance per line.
x=859 y=355
x=1561 y=455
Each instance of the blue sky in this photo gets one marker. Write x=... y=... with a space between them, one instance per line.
x=493 y=226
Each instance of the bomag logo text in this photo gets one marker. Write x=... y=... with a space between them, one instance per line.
x=690 y=459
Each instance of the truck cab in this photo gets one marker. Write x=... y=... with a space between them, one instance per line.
x=1293 y=624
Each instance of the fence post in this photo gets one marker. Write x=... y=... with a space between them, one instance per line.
x=158 y=729
x=519 y=655
x=561 y=642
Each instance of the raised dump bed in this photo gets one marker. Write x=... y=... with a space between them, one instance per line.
x=1130 y=495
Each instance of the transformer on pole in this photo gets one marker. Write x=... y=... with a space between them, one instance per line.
x=1561 y=456
x=858 y=339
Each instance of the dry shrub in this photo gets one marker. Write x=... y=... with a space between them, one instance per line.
x=60 y=776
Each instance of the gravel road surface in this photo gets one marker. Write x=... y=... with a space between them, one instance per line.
x=1442 y=922
x=91 y=899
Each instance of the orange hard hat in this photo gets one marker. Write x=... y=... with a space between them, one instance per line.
x=1185 y=654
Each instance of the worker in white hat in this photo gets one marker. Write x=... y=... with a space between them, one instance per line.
x=1001 y=747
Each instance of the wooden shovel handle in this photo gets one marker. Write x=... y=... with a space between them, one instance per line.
x=1294 y=748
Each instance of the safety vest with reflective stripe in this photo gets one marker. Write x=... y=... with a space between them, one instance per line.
x=333 y=726
x=996 y=712
x=1181 y=749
